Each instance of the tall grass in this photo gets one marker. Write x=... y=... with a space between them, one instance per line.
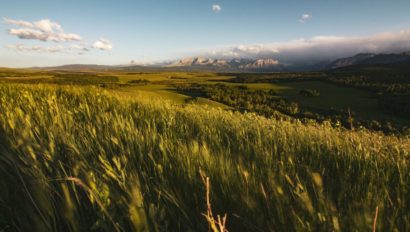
x=79 y=159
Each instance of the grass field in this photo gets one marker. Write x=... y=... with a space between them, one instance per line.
x=363 y=103
x=77 y=154
x=76 y=158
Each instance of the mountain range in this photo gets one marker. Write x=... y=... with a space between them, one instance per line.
x=230 y=64
x=252 y=65
x=274 y=65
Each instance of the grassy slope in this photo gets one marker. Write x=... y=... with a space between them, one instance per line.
x=75 y=159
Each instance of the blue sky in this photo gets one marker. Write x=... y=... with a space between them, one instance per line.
x=157 y=30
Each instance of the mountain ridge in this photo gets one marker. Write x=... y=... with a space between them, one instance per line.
x=247 y=64
x=234 y=63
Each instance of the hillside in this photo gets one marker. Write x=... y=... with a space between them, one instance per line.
x=75 y=159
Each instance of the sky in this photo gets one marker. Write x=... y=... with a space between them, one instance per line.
x=56 y=32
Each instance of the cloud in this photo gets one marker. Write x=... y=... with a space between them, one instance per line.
x=46 y=30
x=48 y=26
x=319 y=48
x=19 y=23
x=102 y=44
x=216 y=8
x=23 y=48
x=305 y=17
x=73 y=49
x=63 y=37
x=79 y=47
x=27 y=33
x=43 y=30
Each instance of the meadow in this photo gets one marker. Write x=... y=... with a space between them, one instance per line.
x=80 y=153
x=164 y=85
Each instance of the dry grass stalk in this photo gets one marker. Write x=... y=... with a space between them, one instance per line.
x=217 y=224
x=375 y=219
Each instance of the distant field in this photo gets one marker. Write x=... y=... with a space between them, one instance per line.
x=161 y=85
x=170 y=76
x=361 y=102
x=154 y=91
x=332 y=96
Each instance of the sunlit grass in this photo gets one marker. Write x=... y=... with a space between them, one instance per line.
x=80 y=159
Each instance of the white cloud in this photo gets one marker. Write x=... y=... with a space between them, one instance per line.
x=55 y=49
x=46 y=30
x=45 y=25
x=27 y=33
x=317 y=48
x=48 y=26
x=63 y=37
x=305 y=17
x=102 y=44
x=43 y=30
x=19 y=23
x=73 y=49
x=79 y=47
x=23 y=48
x=216 y=8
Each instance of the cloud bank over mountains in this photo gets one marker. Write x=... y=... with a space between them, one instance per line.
x=316 y=49
x=46 y=30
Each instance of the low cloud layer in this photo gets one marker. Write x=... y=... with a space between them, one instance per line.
x=319 y=48
x=102 y=44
